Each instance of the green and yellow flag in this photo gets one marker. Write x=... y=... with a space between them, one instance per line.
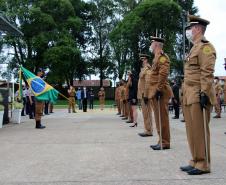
x=41 y=90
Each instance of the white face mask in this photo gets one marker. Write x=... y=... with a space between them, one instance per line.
x=189 y=35
x=215 y=81
x=151 y=49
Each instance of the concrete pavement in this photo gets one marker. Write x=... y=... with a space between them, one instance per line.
x=98 y=148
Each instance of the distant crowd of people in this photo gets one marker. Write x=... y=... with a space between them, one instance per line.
x=84 y=96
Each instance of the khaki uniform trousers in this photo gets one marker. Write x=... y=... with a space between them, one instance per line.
x=118 y=106
x=38 y=110
x=51 y=107
x=121 y=106
x=102 y=102
x=164 y=119
x=217 y=107
x=124 y=111
x=147 y=116
x=71 y=104
x=195 y=134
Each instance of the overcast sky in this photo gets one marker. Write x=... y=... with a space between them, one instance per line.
x=215 y=12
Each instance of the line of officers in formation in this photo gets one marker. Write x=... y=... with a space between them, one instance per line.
x=198 y=95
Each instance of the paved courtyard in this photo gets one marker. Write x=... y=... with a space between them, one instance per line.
x=98 y=148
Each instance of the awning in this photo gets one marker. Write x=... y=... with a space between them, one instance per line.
x=6 y=26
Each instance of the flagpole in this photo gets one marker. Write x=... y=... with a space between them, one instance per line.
x=20 y=84
x=64 y=96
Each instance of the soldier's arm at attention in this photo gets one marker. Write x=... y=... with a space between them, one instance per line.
x=207 y=57
x=163 y=71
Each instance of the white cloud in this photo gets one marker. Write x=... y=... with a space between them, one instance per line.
x=215 y=12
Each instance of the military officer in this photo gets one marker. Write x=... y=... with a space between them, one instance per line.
x=117 y=98
x=199 y=95
x=218 y=91
x=145 y=105
x=39 y=106
x=158 y=91
x=71 y=103
x=101 y=95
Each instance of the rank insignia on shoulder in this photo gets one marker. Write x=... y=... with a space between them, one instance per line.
x=163 y=59
x=207 y=50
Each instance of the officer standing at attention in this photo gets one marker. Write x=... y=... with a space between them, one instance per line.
x=158 y=91
x=199 y=95
x=101 y=95
x=146 y=110
x=39 y=107
x=71 y=102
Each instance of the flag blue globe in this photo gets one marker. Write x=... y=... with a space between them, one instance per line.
x=38 y=85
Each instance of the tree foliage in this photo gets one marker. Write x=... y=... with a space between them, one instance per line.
x=75 y=38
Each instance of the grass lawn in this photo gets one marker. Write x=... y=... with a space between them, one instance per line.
x=60 y=104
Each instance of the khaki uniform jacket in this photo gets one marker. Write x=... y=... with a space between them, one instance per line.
x=117 y=95
x=101 y=95
x=141 y=81
x=123 y=93
x=198 y=72
x=156 y=78
x=71 y=92
x=127 y=91
x=218 y=89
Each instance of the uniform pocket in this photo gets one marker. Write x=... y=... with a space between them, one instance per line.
x=193 y=63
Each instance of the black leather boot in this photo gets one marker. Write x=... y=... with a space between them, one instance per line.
x=39 y=125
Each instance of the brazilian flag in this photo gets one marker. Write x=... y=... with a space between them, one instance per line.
x=41 y=90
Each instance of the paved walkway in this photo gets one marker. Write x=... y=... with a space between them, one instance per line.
x=98 y=148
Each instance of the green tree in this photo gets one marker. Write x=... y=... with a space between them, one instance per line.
x=103 y=16
x=53 y=36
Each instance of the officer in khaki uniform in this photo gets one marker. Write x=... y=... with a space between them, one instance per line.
x=71 y=102
x=121 y=95
x=128 y=105
x=117 y=98
x=145 y=106
x=199 y=94
x=101 y=95
x=39 y=107
x=218 y=91
x=158 y=92
x=125 y=102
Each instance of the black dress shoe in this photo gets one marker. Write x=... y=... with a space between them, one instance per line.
x=186 y=168
x=182 y=120
x=153 y=146
x=175 y=117
x=118 y=114
x=145 y=135
x=158 y=147
x=124 y=118
x=129 y=121
x=40 y=127
x=196 y=171
x=217 y=116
